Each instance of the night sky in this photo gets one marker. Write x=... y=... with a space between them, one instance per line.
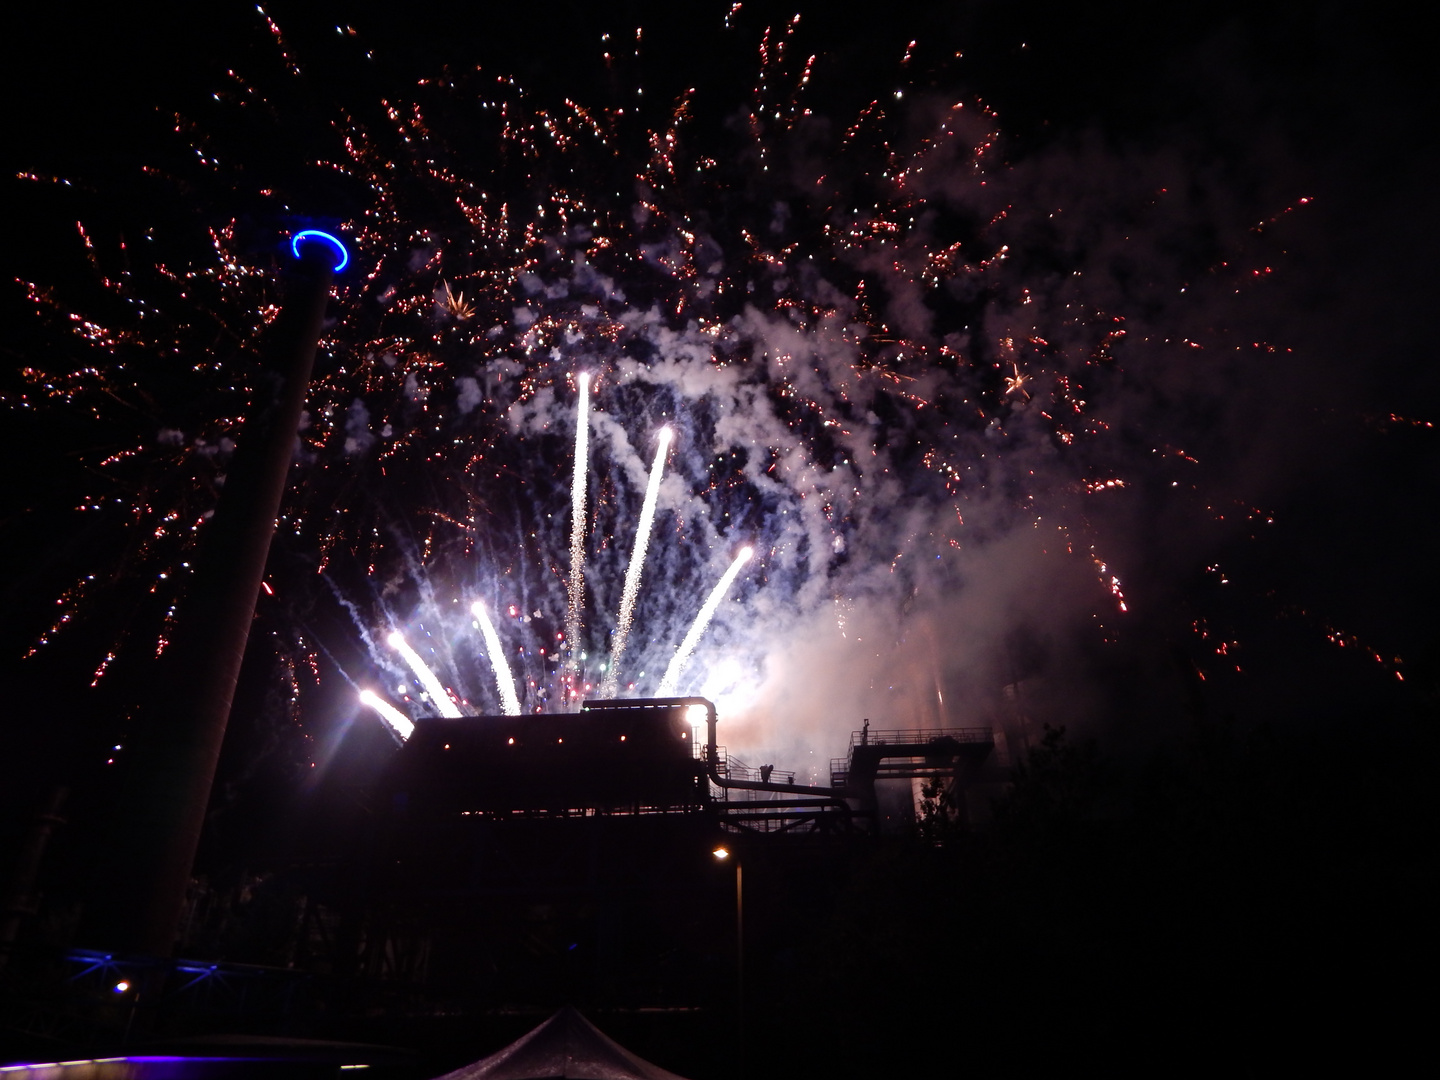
x=1295 y=144
x=1248 y=195
x=1326 y=438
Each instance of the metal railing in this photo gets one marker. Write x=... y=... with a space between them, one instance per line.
x=920 y=736
x=732 y=768
x=735 y=769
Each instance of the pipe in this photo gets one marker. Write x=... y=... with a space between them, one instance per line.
x=712 y=753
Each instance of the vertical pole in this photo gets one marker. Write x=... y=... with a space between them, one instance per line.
x=22 y=898
x=157 y=826
x=740 y=959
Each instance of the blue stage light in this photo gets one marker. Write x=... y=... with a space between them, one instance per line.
x=316 y=234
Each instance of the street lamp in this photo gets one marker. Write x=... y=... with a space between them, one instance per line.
x=722 y=854
x=177 y=749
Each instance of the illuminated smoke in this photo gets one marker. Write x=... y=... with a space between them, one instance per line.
x=632 y=573
x=427 y=677
x=893 y=410
x=504 y=680
x=398 y=721
x=682 y=654
x=577 y=527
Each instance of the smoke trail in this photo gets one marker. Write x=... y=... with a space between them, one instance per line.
x=632 y=572
x=427 y=677
x=398 y=721
x=504 y=680
x=577 y=528
x=682 y=654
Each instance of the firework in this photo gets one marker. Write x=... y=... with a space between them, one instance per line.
x=632 y=572
x=439 y=697
x=702 y=622
x=577 y=524
x=887 y=358
x=397 y=720
x=504 y=681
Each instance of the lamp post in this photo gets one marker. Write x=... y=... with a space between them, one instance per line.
x=167 y=789
x=722 y=854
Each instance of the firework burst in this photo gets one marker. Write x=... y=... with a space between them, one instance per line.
x=887 y=358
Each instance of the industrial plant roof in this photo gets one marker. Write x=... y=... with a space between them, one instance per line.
x=565 y=1046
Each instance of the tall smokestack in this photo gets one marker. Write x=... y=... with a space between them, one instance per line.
x=156 y=829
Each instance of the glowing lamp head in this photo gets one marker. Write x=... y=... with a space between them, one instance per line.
x=721 y=853
x=312 y=237
x=367 y=697
x=584 y=380
x=478 y=609
x=746 y=553
x=396 y=638
x=121 y=986
x=666 y=435
x=696 y=714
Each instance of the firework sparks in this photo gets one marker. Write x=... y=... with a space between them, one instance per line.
x=632 y=572
x=1015 y=383
x=397 y=720
x=878 y=377
x=577 y=525
x=438 y=695
x=671 y=679
x=504 y=681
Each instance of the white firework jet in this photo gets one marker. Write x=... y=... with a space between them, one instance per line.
x=432 y=685
x=577 y=528
x=504 y=680
x=702 y=621
x=632 y=573
x=398 y=722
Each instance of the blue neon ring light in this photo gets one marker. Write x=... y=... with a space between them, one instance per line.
x=316 y=234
